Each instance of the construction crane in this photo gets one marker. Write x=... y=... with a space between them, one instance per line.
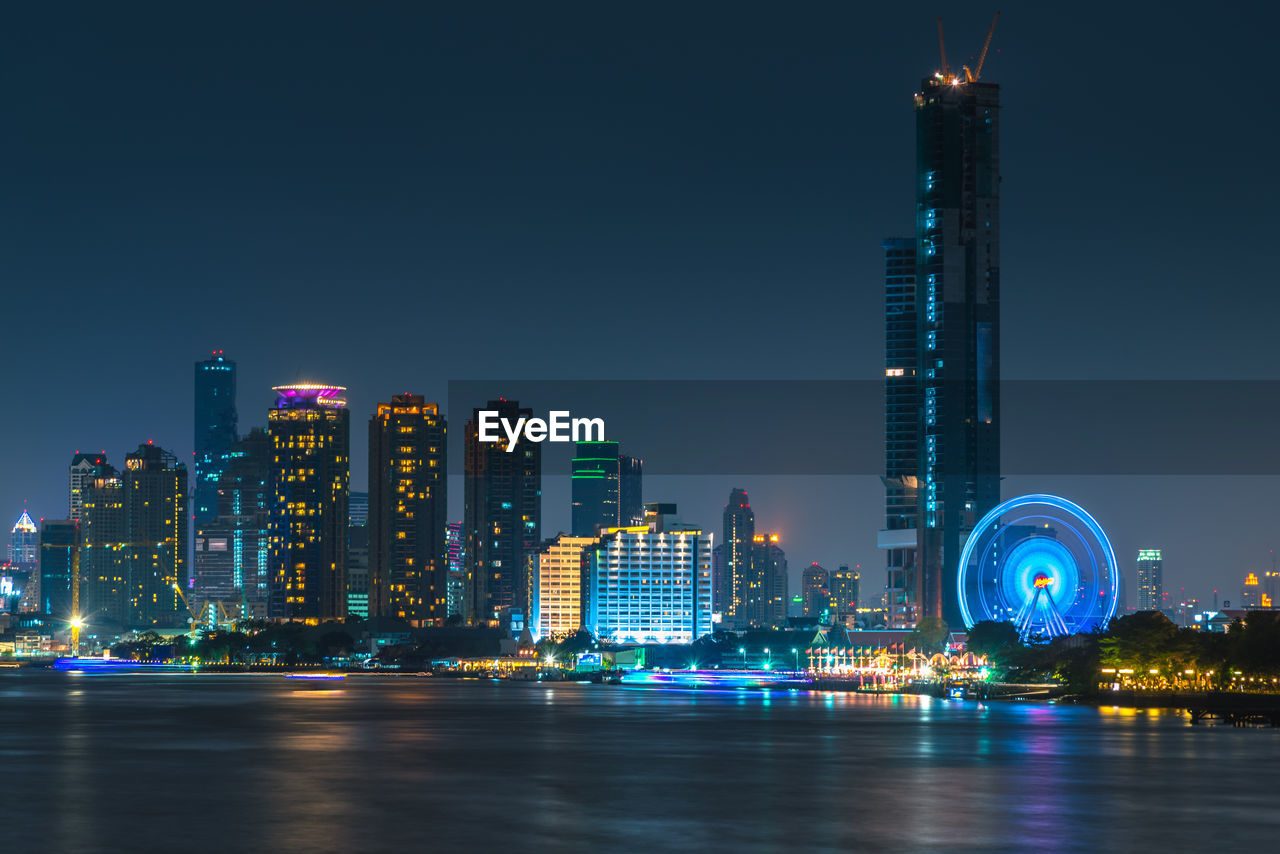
x=196 y=619
x=969 y=76
x=942 y=48
x=972 y=77
x=206 y=615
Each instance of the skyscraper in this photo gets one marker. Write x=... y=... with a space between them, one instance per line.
x=233 y=549
x=958 y=322
x=631 y=491
x=595 y=484
x=408 y=553
x=1150 y=580
x=310 y=432
x=766 y=585
x=844 y=592
x=156 y=517
x=902 y=426
x=735 y=564
x=24 y=543
x=503 y=516
x=815 y=583
x=1251 y=592
x=24 y=558
x=215 y=430
x=104 y=549
x=358 y=583
x=563 y=586
x=457 y=568
x=59 y=539
x=651 y=583
x=1271 y=589
x=84 y=467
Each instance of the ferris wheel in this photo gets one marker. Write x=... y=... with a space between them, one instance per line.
x=1042 y=563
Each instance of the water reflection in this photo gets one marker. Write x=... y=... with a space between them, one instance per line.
x=386 y=764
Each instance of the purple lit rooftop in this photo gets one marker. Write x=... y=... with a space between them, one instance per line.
x=306 y=395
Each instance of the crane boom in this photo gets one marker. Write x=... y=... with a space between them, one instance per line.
x=942 y=46
x=194 y=614
x=985 y=45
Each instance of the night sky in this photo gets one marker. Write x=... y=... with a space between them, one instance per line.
x=391 y=196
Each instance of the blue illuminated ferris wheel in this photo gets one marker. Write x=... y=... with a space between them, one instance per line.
x=1042 y=563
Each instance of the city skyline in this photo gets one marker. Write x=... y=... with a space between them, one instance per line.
x=805 y=240
x=875 y=399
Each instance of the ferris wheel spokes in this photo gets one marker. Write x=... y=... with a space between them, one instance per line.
x=1040 y=612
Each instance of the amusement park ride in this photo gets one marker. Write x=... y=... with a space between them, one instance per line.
x=1042 y=563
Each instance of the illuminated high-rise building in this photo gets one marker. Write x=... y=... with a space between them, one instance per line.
x=24 y=543
x=358 y=581
x=630 y=491
x=232 y=554
x=845 y=583
x=562 y=586
x=502 y=523
x=607 y=488
x=957 y=294
x=10 y=588
x=903 y=422
x=59 y=539
x=765 y=590
x=717 y=573
x=157 y=526
x=84 y=468
x=815 y=586
x=24 y=562
x=408 y=550
x=310 y=433
x=735 y=563
x=1150 y=580
x=215 y=431
x=595 y=481
x=651 y=583
x=104 y=549
x=1251 y=591
x=456 y=553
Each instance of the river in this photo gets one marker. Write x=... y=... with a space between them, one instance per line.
x=205 y=762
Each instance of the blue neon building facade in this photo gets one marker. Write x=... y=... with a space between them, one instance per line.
x=651 y=583
x=232 y=552
x=215 y=430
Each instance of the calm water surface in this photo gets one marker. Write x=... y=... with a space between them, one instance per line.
x=178 y=762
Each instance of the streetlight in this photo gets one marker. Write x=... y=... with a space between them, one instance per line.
x=795 y=654
x=77 y=623
x=743 y=651
x=768 y=659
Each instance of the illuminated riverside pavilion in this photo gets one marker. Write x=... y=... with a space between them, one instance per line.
x=1042 y=563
